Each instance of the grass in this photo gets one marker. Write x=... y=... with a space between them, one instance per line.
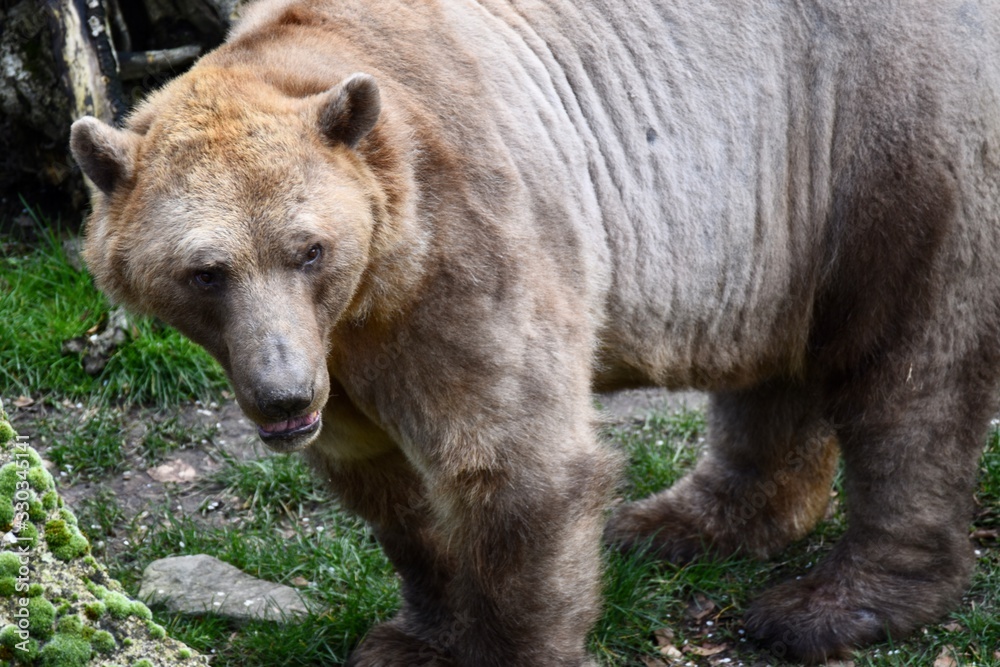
x=649 y=606
x=646 y=599
x=277 y=522
x=45 y=301
x=281 y=504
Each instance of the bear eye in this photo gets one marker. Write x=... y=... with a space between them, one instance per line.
x=313 y=254
x=207 y=279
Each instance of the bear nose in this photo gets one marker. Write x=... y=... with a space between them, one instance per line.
x=284 y=404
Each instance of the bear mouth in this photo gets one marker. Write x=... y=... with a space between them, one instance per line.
x=290 y=429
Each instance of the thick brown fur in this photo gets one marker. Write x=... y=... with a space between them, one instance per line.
x=442 y=224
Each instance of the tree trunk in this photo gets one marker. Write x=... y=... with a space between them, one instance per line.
x=62 y=59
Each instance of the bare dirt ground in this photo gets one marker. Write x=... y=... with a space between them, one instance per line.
x=178 y=483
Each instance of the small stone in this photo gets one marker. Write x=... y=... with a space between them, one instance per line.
x=194 y=584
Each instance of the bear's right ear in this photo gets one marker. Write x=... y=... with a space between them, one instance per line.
x=350 y=110
x=105 y=154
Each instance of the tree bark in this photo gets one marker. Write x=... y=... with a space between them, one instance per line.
x=84 y=58
x=62 y=59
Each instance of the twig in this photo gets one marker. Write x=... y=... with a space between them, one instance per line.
x=137 y=64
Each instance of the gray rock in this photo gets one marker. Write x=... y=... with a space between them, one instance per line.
x=199 y=584
x=624 y=406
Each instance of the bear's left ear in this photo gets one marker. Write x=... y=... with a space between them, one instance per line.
x=350 y=110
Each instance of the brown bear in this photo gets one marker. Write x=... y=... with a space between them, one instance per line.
x=418 y=233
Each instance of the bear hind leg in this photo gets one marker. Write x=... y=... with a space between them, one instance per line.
x=910 y=454
x=763 y=481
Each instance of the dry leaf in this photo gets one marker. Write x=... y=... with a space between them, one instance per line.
x=671 y=651
x=299 y=581
x=653 y=662
x=945 y=658
x=23 y=401
x=173 y=471
x=953 y=626
x=663 y=636
x=707 y=649
x=700 y=607
x=985 y=534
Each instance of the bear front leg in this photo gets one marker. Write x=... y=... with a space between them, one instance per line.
x=516 y=500
x=500 y=565
x=911 y=435
x=387 y=493
x=763 y=481
x=525 y=543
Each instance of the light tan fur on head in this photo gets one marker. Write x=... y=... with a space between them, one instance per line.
x=239 y=194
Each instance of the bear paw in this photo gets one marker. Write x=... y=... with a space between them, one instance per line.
x=388 y=645
x=809 y=621
x=849 y=602
x=655 y=527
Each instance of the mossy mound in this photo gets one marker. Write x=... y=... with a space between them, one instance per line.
x=58 y=606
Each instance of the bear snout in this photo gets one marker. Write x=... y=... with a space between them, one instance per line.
x=282 y=404
x=288 y=423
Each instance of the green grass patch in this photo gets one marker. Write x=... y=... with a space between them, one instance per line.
x=351 y=581
x=100 y=515
x=45 y=301
x=86 y=444
x=660 y=448
x=274 y=488
x=89 y=442
x=168 y=434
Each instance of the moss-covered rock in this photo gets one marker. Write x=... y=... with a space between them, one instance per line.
x=119 y=606
x=71 y=625
x=9 y=636
x=6 y=432
x=8 y=586
x=65 y=650
x=53 y=613
x=94 y=610
x=64 y=538
x=139 y=610
x=50 y=500
x=40 y=479
x=28 y=537
x=9 y=564
x=104 y=642
x=156 y=631
x=41 y=616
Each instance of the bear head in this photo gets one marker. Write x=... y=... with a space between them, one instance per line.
x=244 y=218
